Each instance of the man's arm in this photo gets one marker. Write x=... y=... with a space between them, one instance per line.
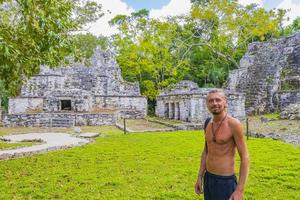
x=198 y=185
x=244 y=166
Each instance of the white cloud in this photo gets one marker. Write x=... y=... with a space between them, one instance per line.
x=111 y=8
x=175 y=7
x=294 y=10
x=293 y=13
x=247 y=2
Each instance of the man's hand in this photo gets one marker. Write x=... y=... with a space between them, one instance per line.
x=198 y=186
x=236 y=195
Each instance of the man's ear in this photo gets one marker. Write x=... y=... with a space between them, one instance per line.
x=226 y=104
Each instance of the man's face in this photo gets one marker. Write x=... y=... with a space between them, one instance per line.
x=216 y=103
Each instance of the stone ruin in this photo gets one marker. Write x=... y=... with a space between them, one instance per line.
x=77 y=95
x=269 y=75
x=187 y=102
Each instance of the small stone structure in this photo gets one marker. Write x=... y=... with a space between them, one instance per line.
x=77 y=95
x=187 y=102
x=269 y=75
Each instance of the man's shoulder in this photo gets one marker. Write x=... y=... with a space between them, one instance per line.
x=234 y=122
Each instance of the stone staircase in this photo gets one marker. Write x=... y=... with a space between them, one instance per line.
x=62 y=122
x=57 y=122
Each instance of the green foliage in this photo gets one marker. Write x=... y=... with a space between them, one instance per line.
x=144 y=166
x=146 y=52
x=293 y=28
x=34 y=33
x=217 y=34
x=5 y=145
x=270 y=116
x=203 y=46
x=87 y=43
x=286 y=86
x=3 y=96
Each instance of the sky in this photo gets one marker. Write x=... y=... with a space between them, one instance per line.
x=163 y=8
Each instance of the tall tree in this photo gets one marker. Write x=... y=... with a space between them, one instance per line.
x=87 y=43
x=218 y=33
x=39 y=32
x=146 y=52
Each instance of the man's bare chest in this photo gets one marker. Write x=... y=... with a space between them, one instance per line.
x=222 y=136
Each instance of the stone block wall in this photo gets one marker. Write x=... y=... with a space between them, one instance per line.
x=23 y=105
x=103 y=77
x=174 y=107
x=266 y=69
x=284 y=99
x=137 y=103
x=59 y=119
x=38 y=85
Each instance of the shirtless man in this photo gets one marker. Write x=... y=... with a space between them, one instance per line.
x=224 y=134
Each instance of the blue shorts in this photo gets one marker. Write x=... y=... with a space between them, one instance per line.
x=218 y=187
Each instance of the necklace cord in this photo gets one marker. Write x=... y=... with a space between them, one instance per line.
x=214 y=133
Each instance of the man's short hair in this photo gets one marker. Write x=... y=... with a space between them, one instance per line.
x=217 y=90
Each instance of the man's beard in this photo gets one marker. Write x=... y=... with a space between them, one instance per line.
x=220 y=110
x=216 y=112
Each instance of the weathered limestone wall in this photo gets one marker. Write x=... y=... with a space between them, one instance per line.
x=138 y=103
x=23 y=105
x=174 y=107
x=283 y=99
x=266 y=69
x=236 y=104
x=59 y=119
x=38 y=85
x=292 y=111
x=103 y=77
x=81 y=100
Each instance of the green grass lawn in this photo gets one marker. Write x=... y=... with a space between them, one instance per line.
x=139 y=125
x=143 y=166
x=169 y=121
x=6 y=145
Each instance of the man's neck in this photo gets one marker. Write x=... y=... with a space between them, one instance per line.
x=217 y=118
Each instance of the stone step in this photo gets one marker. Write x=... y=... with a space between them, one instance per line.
x=57 y=122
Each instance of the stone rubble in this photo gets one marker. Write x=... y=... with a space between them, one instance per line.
x=291 y=112
x=291 y=138
x=88 y=135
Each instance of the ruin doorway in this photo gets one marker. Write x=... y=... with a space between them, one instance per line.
x=65 y=105
x=166 y=110
x=178 y=111
x=172 y=113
